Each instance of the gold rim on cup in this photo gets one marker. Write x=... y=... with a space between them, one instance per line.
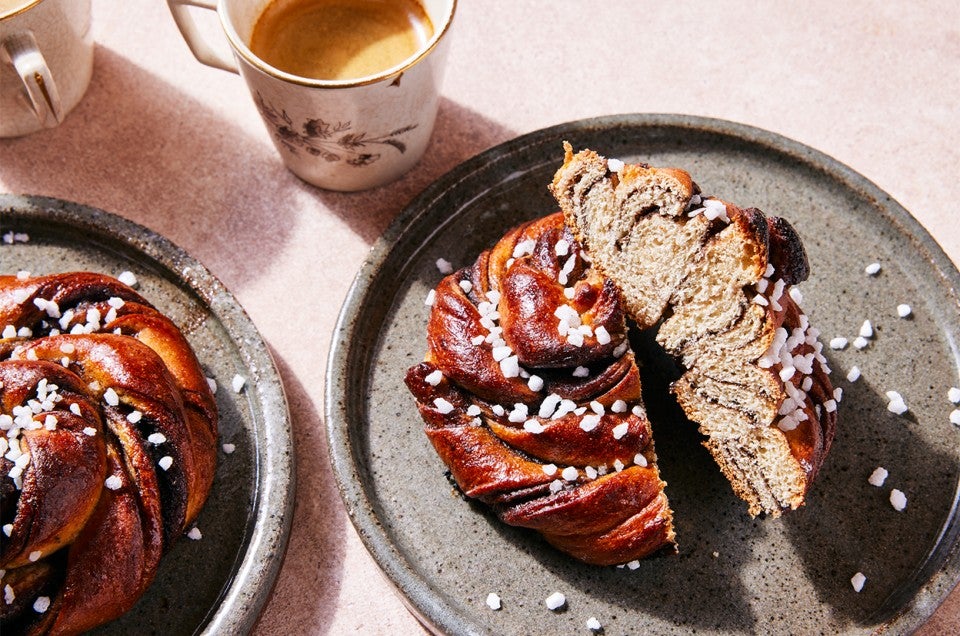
x=243 y=49
x=21 y=9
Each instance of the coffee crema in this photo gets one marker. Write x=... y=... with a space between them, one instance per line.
x=339 y=39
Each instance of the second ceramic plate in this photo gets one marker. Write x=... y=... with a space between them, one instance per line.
x=733 y=574
x=219 y=584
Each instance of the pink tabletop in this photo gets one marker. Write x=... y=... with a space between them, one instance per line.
x=180 y=148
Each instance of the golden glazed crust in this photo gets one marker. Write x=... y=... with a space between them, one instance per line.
x=539 y=320
x=512 y=391
x=95 y=505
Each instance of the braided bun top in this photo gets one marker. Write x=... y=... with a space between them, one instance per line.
x=531 y=397
x=109 y=447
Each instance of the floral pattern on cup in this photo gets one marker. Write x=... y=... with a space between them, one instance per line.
x=332 y=142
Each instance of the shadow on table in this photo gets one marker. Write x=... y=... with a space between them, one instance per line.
x=136 y=141
x=307 y=588
x=140 y=147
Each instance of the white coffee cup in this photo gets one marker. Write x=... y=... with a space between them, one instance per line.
x=46 y=61
x=342 y=135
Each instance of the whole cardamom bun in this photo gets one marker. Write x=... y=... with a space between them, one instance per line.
x=109 y=444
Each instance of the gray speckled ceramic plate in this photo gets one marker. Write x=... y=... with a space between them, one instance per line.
x=216 y=585
x=733 y=574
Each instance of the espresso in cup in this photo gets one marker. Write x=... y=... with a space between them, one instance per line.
x=348 y=89
x=339 y=39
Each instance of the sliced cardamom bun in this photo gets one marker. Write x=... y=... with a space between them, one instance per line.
x=716 y=281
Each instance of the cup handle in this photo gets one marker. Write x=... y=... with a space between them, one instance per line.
x=204 y=53
x=33 y=71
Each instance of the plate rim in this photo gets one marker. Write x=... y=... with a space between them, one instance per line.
x=266 y=536
x=428 y=605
